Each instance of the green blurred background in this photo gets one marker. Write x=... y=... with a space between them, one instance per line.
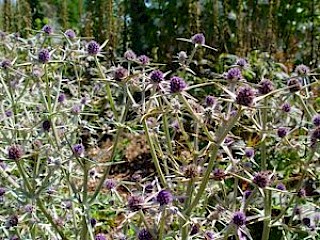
x=288 y=29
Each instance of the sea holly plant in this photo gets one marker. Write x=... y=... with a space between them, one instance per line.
x=92 y=149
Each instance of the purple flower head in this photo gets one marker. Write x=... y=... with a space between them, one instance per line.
x=5 y=64
x=130 y=55
x=286 y=107
x=156 y=76
x=182 y=57
x=100 y=236
x=218 y=174
x=15 y=152
x=191 y=171
x=249 y=152
x=110 y=184
x=233 y=74
x=46 y=125
x=294 y=85
x=148 y=188
x=135 y=202
x=245 y=96
x=262 y=179
x=194 y=229
x=70 y=33
x=281 y=186
x=265 y=86
x=120 y=73
x=282 y=132
x=76 y=109
x=93 y=48
x=144 y=60
x=302 y=69
x=241 y=62
x=61 y=97
x=144 y=234
x=316 y=120
x=9 y=113
x=210 y=101
x=93 y=222
x=2 y=191
x=208 y=235
x=47 y=29
x=198 y=39
x=239 y=219
x=177 y=84
x=246 y=194
x=44 y=55
x=78 y=149
x=301 y=193
x=29 y=208
x=164 y=197
x=12 y=221
x=14 y=237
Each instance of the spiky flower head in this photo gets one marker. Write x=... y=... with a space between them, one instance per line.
x=61 y=97
x=241 y=62
x=164 y=197
x=294 y=85
x=316 y=120
x=177 y=84
x=245 y=96
x=76 y=109
x=208 y=235
x=144 y=234
x=120 y=73
x=281 y=186
x=194 y=229
x=315 y=136
x=93 y=48
x=191 y=171
x=15 y=152
x=198 y=39
x=93 y=222
x=246 y=194
x=301 y=193
x=286 y=107
x=110 y=184
x=156 y=76
x=239 y=219
x=302 y=69
x=2 y=191
x=100 y=236
x=249 y=152
x=262 y=179
x=5 y=64
x=46 y=125
x=47 y=29
x=135 y=202
x=144 y=60
x=210 y=101
x=70 y=34
x=282 y=132
x=130 y=55
x=218 y=174
x=233 y=74
x=265 y=86
x=44 y=55
x=12 y=221
x=78 y=149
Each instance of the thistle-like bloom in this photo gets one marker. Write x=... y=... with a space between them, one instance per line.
x=156 y=76
x=249 y=152
x=301 y=193
x=294 y=85
x=198 y=39
x=210 y=101
x=93 y=222
x=239 y=219
x=135 y=202
x=286 y=107
x=110 y=184
x=130 y=55
x=164 y=197
x=246 y=194
x=281 y=186
x=76 y=109
x=70 y=34
x=306 y=221
x=191 y=171
x=12 y=221
x=302 y=69
x=233 y=74
x=218 y=174
x=316 y=120
x=241 y=62
x=44 y=55
x=315 y=136
x=100 y=236
x=46 y=125
x=47 y=29
x=177 y=84
x=245 y=96
x=194 y=229
x=208 y=235
x=2 y=191
x=262 y=179
x=93 y=48
x=5 y=64
x=144 y=234
x=120 y=73
x=144 y=60
x=282 y=132
x=265 y=86
x=78 y=149
x=15 y=152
